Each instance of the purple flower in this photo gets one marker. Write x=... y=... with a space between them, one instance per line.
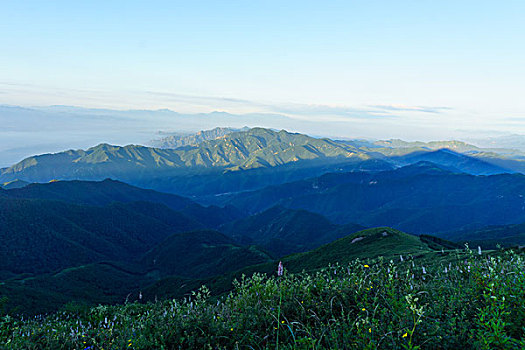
x=280 y=269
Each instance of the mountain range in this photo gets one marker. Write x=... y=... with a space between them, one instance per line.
x=420 y=198
x=224 y=160
x=91 y=226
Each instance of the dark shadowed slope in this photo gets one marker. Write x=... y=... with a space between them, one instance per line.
x=453 y=161
x=491 y=236
x=101 y=193
x=201 y=254
x=421 y=198
x=283 y=231
x=97 y=193
x=42 y=236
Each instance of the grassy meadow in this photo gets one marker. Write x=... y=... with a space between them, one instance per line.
x=458 y=299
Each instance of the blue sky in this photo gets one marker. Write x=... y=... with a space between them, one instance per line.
x=435 y=69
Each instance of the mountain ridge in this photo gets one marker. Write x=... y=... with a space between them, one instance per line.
x=254 y=148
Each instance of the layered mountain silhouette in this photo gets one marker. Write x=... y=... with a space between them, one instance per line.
x=220 y=161
x=420 y=198
x=92 y=226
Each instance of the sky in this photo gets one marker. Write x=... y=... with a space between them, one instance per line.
x=373 y=69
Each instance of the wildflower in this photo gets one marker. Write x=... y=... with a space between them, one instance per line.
x=369 y=330
x=280 y=269
x=363 y=309
x=366 y=266
x=401 y=258
x=479 y=250
x=405 y=335
x=282 y=322
x=424 y=271
x=231 y=329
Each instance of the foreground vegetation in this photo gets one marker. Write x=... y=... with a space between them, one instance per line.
x=463 y=299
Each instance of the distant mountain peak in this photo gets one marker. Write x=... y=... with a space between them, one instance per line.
x=238 y=150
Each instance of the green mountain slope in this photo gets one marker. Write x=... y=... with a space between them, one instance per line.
x=255 y=148
x=236 y=161
x=366 y=245
x=183 y=262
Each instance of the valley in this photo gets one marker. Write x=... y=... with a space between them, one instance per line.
x=135 y=225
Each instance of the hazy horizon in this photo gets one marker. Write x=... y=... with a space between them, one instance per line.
x=31 y=131
x=409 y=70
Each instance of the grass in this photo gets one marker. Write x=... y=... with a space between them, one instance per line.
x=462 y=300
